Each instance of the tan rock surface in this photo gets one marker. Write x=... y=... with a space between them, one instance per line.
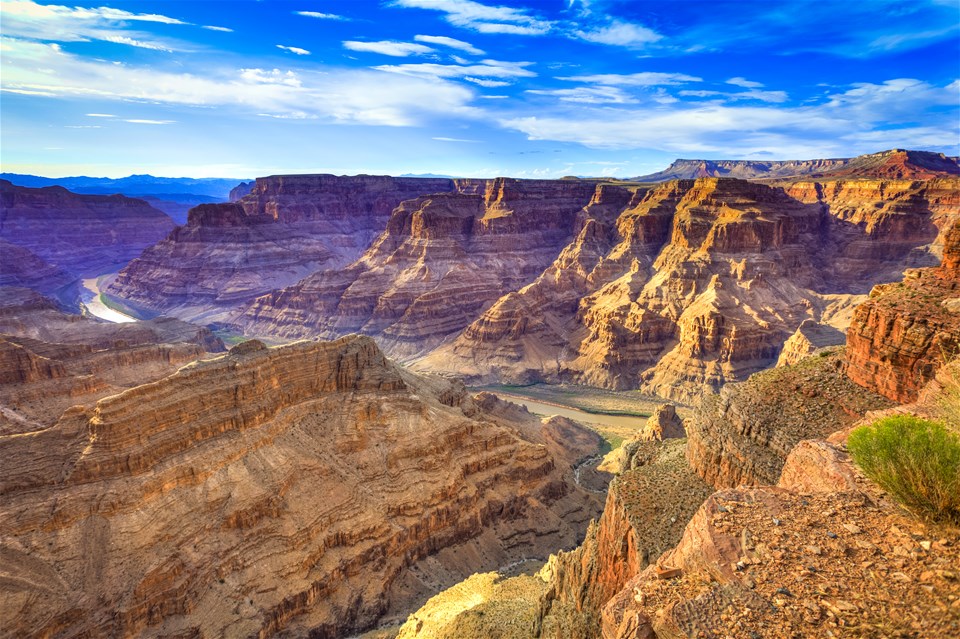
x=809 y=338
x=744 y=434
x=442 y=260
x=310 y=488
x=907 y=331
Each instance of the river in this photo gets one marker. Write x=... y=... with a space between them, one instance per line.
x=582 y=416
x=90 y=296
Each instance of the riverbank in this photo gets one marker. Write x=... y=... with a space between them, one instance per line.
x=92 y=299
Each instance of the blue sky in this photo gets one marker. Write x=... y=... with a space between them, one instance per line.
x=529 y=89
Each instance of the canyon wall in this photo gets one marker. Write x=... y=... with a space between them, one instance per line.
x=696 y=283
x=307 y=489
x=84 y=235
x=908 y=330
x=896 y=164
x=442 y=260
x=283 y=229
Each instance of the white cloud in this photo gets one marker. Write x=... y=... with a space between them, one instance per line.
x=118 y=39
x=587 y=95
x=621 y=34
x=212 y=28
x=296 y=50
x=490 y=84
x=150 y=121
x=442 y=139
x=342 y=96
x=58 y=23
x=388 y=47
x=274 y=76
x=483 y=18
x=700 y=94
x=453 y=43
x=762 y=96
x=320 y=16
x=743 y=82
x=642 y=79
x=485 y=69
x=100 y=115
x=863 y=119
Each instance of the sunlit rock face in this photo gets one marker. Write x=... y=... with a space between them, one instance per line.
x=270 y=491
x=909 y=330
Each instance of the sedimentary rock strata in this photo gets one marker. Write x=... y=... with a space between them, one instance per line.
x=442 y=260
x=53 y=360
x=896 y=164
x=82 y=234
x=305 y=489
x=808 y=338
x=696 y=283
x=284 y=229
x=908 y=330
x=19 y=267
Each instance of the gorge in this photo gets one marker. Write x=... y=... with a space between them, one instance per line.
x=284 y=445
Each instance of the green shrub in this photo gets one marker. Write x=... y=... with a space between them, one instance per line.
x=915 y=460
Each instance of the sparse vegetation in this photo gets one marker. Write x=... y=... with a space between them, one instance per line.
x=915 y=460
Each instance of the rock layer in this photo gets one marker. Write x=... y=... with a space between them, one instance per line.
x=83 y=235
x=442 y=260
x=285 y=228
x=907 y=331
x=269 y=491
x=695 y=283
x=743 y=434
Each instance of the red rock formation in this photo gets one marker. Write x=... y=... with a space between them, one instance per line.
x=906 y=331
x=269 y=491
x=21 y=268
x=285 y=228
x=53 y=360
x=893 y=164
x=699 y=283
x=442 y=260
x=82 y=234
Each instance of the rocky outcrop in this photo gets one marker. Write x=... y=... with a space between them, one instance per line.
x=83 y=235
x=53 y=360
x=809 y=337
x=744 y=434
x=822 y=556
x=302 y=490
x=906 y=331
x=663 y=424
x=645 y=513
x=442 y=260
x=893 y=164
x=697 y=283
x=284 y=229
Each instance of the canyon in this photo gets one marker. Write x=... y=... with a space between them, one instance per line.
x=672 y=288
x=217 y=470
x=83 y=235
x=311 y=487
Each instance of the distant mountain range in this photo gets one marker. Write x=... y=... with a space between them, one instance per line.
x=173 y=196
x=892 y=164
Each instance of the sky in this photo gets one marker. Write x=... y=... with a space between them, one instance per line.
x=542 y=88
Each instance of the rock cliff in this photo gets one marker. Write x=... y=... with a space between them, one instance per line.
x=54 y=360
x=743 y=434
x=83 y=235
x=301 y=490
x=695 y=283
x=907 y=330
x=896 y=164
x=284 y=229
x=442 y=260
x=19 y=267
